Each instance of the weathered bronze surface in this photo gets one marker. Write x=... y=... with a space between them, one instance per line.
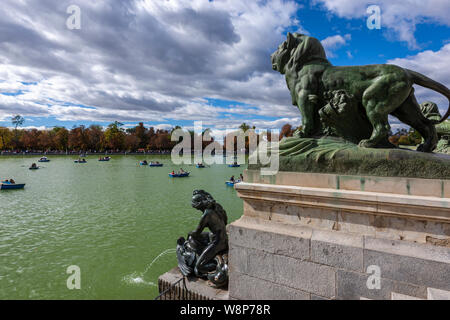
x=352 y=102
x=431 y=111
x=205 y=254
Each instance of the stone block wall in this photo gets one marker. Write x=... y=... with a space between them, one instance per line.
x=270 y=260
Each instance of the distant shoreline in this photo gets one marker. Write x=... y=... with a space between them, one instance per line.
x=85 y=154
x=74 y=154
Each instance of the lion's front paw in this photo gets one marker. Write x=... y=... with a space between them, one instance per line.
x=424 y=147
x=366 y=143
x=299 y=134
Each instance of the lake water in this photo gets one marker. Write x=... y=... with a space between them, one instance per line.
x=112 y=219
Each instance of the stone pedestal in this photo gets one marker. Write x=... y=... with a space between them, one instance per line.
x=326 y=236
x=171 y=288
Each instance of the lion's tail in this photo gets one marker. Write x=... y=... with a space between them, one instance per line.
x=426 y=82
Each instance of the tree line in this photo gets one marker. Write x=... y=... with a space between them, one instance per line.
x=81 y=138
x=115 y=138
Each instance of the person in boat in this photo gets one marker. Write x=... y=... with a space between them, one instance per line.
x=145 y=162
x=173 y=172
x=11 y=181
x=182 y=171
x=33 y=165
x=241 y=177
x=5 y=181
x=232 y=179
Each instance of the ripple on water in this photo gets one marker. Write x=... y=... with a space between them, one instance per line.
x=137 y=279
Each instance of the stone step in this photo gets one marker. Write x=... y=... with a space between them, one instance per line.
x=437 y=294
x=399 y=296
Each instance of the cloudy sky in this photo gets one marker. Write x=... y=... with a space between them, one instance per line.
x=172 y=62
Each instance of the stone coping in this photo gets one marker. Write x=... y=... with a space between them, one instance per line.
x=404 y=206
x=397 y=185
x=423 y=251
x=196 y=288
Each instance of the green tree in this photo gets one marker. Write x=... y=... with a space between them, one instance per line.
x=244 y=127
x=115 y=136
x=17 y=121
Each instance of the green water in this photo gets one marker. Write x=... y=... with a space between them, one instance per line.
x=112 y=219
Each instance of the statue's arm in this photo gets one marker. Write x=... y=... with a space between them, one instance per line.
x=202 y=224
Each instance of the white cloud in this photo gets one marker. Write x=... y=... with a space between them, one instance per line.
x=140 y=60
x=433 y=64
x=332 y=43
x=401 y=16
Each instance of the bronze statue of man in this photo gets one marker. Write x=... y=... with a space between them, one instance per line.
x=215 y=219
x=205 y=254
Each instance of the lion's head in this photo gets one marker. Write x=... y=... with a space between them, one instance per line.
x=297 y=50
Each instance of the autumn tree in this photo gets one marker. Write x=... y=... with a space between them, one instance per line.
x=5 y=138
x=60 y=138
x=163 y=141
x=95 y=137
x=30 y=139
x=45 y=141
x=141 y=135
x=286 y=131
x=78 y=139
x=131 y=142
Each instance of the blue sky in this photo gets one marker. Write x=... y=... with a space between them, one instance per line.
x=175 y=62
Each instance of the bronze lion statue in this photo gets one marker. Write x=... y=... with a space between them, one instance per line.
x=378 y=90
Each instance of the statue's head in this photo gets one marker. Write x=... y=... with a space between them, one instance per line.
x=430 y=110
x=202 y=200
x=296 y=51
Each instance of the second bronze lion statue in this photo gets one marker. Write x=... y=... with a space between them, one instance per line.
x=379 y=90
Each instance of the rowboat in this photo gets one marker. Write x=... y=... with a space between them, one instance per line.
x=33 y=168
x=80 y=161
x=234 y=165
x=11 y=186
x=105 y=159
x=155 y=164
x=231 y=183
x=44 y=159
x=200 y=165
x=179 y=175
